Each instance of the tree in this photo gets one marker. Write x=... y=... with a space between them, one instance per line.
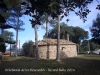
x=3 y=8
x=46 y=24
x=7 y=35
x=33 y=9
x=47 y=19
x=84 y=46
x=64 y=30
x=69 y=5
x=28 y=48
x=95 y=30
x=14 y=18
x=57 y=7
x=77 y=34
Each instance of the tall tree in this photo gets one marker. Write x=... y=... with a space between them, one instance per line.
x=95 y=29
x=47 y=19
x=57 y=7
x=14 y=18
x=47 y=25
x=35 y=9
x=3 y=8
x=58 y=40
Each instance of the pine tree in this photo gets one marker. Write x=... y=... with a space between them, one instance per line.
x=95 y=30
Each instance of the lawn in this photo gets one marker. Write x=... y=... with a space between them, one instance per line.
x=83 y=64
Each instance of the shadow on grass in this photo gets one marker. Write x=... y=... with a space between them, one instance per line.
x=70 y=66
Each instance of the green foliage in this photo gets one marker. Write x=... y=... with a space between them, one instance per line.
x=84 y=46
x=2 y=45
x=95 y=30
x=3 y=8
x=13 y=13
x=13 y=4
x=79 y=34
x=7 y=35
x=56 y=7
x=76 y=33
x=2 y=48
x=28 y=48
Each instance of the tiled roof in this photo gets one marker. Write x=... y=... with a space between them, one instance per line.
x=54 y=42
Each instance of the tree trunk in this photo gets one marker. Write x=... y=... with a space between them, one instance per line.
x=78 y=48
x=10 y=49
x=47 y=35
x=58 y=40
x=3 y=34
x=19 y=47
x=36 y=38
x=46 y=25
x=36 y=42
x=16 y=49
x=89 y=45
x=17 y=28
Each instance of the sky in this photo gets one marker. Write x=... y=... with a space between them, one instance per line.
x=28 y=33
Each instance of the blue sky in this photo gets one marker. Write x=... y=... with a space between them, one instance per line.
x=28 y=33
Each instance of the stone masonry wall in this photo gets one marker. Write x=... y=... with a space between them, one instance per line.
x=49 y=52
x=68 y=51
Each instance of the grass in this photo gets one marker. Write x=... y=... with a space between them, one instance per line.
x=83 y=64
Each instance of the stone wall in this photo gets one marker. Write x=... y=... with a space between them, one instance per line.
x=49 y=52
x=68 y=51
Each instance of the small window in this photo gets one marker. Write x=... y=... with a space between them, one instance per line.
x=63 y=48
